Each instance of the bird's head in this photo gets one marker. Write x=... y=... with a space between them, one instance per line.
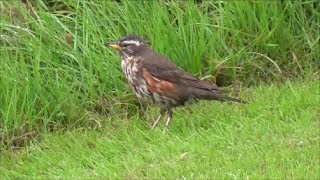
x=129 y=45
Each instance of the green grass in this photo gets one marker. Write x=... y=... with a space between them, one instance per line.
x=47 y=80
x=276 y=136
x=66 y=110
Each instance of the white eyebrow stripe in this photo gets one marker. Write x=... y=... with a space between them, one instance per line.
x=137 y=43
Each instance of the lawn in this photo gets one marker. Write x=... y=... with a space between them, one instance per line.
x=66 y=110
x=275 y=136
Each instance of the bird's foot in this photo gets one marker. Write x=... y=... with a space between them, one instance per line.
x=165 y=130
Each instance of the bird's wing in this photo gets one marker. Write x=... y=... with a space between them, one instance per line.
x=163 y=69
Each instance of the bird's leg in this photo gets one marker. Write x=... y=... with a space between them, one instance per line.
x=162 y=111
x=169 y=111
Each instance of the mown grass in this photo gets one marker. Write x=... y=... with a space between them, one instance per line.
x=61 y=88
x=55 y=70
x=276 y=136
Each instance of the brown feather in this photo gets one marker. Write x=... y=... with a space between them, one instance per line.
x=162 y=68
x=161 y=86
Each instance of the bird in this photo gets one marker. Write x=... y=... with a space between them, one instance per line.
x=156 y=79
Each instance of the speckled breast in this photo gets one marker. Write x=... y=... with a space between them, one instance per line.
x=132 y=69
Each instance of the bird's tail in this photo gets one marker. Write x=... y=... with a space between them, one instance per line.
x=214 y=95
x=226 y=98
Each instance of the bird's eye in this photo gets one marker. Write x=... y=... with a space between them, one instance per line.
x=125 y=45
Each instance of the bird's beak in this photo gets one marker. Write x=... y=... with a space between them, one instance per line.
x=114 y=45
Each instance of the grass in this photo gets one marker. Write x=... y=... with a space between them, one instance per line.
x=66 y=109
x=275 y=137
x=55 y=69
